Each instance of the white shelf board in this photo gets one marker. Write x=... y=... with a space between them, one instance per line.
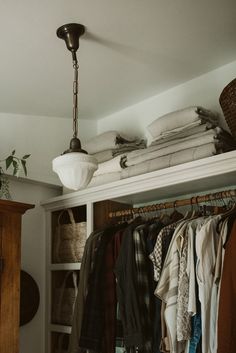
x=66 y=266
x=204 y=174
x=60 y=328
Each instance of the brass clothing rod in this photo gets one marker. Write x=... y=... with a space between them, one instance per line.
x=173 y=204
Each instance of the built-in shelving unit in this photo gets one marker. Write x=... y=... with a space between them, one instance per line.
x=94 y=204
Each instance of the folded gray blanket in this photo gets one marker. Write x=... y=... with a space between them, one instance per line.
x=111 y=140
x=104 y=179
x=186 y=132
x=104 y=156
x=111 y=166
x=177 y=120
x=170 y=160
x=155 y=151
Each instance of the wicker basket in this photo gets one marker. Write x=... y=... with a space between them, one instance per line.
x=228 y=104
x=64 y=300
x=69 y=240
x=61 y=344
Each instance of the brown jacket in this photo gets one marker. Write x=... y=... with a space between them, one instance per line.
x=227 y=304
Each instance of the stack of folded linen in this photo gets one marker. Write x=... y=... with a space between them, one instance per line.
x=111 y=144
x=107 y=149
x=179 y=137
x=181 y=121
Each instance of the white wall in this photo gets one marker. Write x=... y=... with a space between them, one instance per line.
x=45 y=138
x=42 y=137
x=204 y=90
x=33 y=261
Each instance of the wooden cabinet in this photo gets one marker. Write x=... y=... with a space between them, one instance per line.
x=10 y=246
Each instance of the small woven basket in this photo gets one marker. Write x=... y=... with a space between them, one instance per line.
x=62 y=343
x=228 y=104
x=69 y=240
x=64 y=300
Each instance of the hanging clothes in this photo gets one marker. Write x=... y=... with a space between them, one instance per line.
x=207 y=239
x=227 y=308
x=93 y=316
x=164 y=280
x=85 y=270
x=110 y=298
x=127 y=291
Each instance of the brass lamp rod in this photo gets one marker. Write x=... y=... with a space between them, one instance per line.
x=71 y=33
x=75 y=95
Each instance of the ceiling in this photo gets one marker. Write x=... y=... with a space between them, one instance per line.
x=133 y=49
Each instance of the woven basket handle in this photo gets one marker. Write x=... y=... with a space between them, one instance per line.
x=74 y=274
x=70 y=213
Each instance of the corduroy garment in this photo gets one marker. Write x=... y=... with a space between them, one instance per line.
x=227 y=308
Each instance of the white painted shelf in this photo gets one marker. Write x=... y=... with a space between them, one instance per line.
x=60 y=328
x=204 y=174
x=65 y=266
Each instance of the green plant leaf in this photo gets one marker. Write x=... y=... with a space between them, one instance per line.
x=13 y=152
x=26 y=156
x=16 y=168
x=9 y=161
x=23 y=162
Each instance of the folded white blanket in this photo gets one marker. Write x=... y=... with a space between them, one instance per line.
x=170 y=160
x=110 y=140
x=184 y=132
x=111 y=166
x=156 y=151
x=211 y=132
x=104 y=156
x=104 y=179
x=179 y=119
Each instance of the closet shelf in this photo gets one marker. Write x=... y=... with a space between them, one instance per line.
x=60 y=328
x=65 y=266
x=208 y=173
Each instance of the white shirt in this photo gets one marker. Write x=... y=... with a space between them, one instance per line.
x=207 y=240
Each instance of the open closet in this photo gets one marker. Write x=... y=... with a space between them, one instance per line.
x=201 y=186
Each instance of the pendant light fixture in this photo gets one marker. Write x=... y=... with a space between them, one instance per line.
x=74 y=167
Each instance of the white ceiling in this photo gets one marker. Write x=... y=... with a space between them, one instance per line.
x=133 y=49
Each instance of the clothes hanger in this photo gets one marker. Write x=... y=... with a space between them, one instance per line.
x=214 y=209
x=231 y=212
x=176 y=216
x=231 y=208
x=193 y=213
x=164 y=217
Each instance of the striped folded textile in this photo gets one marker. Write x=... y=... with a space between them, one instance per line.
x=111 y=140
x=187 y=155
x=180 y=119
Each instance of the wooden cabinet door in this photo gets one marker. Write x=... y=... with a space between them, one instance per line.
x=10 y=282
x=10 y=246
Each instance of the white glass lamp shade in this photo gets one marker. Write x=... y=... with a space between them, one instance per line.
x=75 y=169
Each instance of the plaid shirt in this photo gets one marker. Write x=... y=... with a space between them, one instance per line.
x=109 y=293
x=157 y=255
x=93 y=315
x=143 y=285
x=127 y=290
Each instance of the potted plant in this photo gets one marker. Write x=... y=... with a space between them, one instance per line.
x=17 y=164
